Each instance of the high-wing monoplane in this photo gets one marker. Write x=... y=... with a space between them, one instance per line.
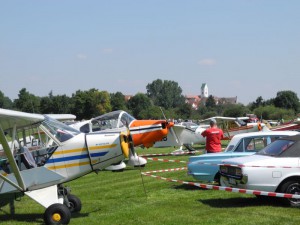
x=189 y=134
x=186 y=134
x=236 y=125
x=57 y=154
x=144 y=132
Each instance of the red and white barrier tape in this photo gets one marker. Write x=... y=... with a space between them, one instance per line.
x=221 y=188
x=213 y=187
x=171 y=154
x=221 y=164
x=166 y=160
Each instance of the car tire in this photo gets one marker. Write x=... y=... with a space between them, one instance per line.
x=291 y=187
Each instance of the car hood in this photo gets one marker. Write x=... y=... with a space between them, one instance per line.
x=262 y=161
x=254 y=160
x=218 y=156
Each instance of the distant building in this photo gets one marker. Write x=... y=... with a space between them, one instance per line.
x=193 y=100
x=204 y=91
x=196 y=100
x=127 y=97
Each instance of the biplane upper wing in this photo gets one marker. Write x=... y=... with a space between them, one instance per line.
x=62 y=117
x=10 y=119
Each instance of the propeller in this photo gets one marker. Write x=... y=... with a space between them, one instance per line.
x=171 y=129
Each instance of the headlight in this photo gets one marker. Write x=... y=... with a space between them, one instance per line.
x=223 y=169
x=238 y=171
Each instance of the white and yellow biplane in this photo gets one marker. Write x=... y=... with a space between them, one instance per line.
x=57 y=154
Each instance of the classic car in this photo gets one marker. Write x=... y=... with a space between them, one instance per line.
x=205 y=167
x=273 y=169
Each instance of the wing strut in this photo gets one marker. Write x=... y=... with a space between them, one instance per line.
x=12 y=162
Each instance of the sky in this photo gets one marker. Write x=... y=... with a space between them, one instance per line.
x=243 y=48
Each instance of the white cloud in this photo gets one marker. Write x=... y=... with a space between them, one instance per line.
x=107 y=50
x=207 y=62
x=81 y=56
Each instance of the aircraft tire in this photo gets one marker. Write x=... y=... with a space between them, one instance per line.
x=75 y=203
x=57 y=214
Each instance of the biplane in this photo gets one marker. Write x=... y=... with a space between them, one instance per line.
x=56 y=154
x=143 y=132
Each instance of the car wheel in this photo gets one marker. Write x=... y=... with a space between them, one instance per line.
x=291 y=187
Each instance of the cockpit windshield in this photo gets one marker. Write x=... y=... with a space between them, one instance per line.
x=115 y=119
x=60 y=130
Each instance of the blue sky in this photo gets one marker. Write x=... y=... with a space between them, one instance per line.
x=243 y=48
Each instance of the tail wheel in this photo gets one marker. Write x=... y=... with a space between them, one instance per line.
x=74 y=203
x=291 y=187
x=57 y=214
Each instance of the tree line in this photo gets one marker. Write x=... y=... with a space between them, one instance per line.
x=163 y=94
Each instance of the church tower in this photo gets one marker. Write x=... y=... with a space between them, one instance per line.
x=204 y=91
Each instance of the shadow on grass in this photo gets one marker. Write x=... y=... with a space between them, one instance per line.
x=189 y=187
x=22 y=217
x=38 y=218
x=243 y=202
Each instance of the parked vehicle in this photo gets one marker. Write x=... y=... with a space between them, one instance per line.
x=273 y=169
x=206 y=167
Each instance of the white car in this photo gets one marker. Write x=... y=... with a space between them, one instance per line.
x=273 y=169
x=205 y=167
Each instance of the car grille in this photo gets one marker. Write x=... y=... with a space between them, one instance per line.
x=231 y=171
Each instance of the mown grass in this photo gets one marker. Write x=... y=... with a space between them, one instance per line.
x=117 y=198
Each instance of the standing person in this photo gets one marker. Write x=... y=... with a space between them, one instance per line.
x=213 y=137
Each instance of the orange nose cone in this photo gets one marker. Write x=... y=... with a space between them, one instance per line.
x=170 y=124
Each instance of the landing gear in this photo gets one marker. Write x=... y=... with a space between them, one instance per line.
x=74 y=203
x=57 y=214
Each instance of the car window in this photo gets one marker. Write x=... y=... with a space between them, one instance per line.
x=276 y=148
x=255 y=144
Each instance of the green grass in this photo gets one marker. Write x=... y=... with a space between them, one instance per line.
x=112 y=198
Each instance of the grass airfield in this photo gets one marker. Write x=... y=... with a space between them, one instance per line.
x=117 y=198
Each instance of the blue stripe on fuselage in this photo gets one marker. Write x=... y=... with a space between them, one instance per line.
x=75 y=157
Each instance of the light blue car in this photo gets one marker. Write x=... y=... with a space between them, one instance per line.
x=206 y=167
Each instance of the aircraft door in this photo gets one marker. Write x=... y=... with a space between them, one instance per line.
x=104 y=149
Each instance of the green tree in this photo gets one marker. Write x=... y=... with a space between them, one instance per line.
x=138 y=103
x=152 y=112
x=235 y=110
x=5 y=102
x=259 y=102
x=117 y=101
x=210 y=102
x=270 y=112
x=184 y=111
x=91 y=103
x=56 y=104
x=287 y=100
x=165 y=93
x=27 y=102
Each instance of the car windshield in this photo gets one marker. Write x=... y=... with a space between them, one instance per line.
x=276 y=148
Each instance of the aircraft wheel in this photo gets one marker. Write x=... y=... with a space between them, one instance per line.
x=57 y=214
x=75 y=203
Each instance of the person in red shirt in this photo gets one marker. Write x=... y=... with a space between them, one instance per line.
x=213 y=137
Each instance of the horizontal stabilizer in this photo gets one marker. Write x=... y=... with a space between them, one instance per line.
x=34 y=178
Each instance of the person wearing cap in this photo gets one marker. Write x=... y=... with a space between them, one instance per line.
x=213 y=135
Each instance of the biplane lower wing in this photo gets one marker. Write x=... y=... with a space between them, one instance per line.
x=34 y=178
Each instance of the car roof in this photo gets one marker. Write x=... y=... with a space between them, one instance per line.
x=267 y=133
